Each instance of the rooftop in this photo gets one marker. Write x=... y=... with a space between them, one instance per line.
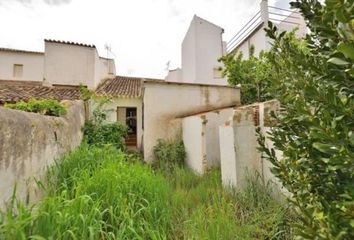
x=19 y=51
x=70 y=43
x=15 y=91
x=121 y=86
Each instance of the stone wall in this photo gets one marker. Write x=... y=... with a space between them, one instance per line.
x=30 y=142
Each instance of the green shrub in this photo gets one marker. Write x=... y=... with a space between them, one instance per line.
x=101 y=134
x=49 y=107
x=314 y=81
x=253 y=74
x=169 y=153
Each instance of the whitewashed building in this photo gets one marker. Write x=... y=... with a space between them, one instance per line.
x=61 y=64
x=152 y=109
x=201 y=48
x=253 y=34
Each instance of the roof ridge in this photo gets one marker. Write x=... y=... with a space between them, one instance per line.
x=19 y=50
x=70 y=43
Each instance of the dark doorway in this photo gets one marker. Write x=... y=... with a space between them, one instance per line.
x=131 y=121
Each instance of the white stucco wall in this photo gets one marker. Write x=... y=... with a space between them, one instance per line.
x=238 y=145
x=189 y=59
x=201 y=48
x=192 y=128
x=127 y=102
x=67 y=64
x=228 y=156
x=174 y=75
x=104 y=68
x=164 y=102
x=240 y=130
x=30 y=143
x=33 y=64
x=201 y=138
x=257 y=39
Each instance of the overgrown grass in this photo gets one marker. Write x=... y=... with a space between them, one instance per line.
x=202 y=209
x=101 y=193
x=94 y=194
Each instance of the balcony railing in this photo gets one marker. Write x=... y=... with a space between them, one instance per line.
x=275 y=14
x=244 y=32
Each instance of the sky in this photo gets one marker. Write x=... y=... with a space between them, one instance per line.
x=143 y=34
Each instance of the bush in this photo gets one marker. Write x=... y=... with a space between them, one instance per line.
x=101 y=134
x=169 y=154
x=49 y=107
x=314 y=129
x=253 y=74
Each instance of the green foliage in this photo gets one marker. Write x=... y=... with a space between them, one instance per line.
x=99 y=133
x=101 y=193
x=203 y=209
x=49 y=107
x=94 y=193
x=313 y=81
x=168 y=154
x=253 y=74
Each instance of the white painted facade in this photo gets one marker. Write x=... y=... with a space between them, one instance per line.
x=165 y=105
x=201 y=48
x=253 y=33
x=61 y=63
x=32 y=65
x=201 y=139
x=67 y=64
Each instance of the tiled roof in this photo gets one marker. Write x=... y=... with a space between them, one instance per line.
x=70 y=43
x=10 y=93
x=19 y=51
x=121 y=86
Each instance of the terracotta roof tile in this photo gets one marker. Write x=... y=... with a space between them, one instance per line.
x=19 y=51
x=11 y=93
x=121 y=86
x=70 y=43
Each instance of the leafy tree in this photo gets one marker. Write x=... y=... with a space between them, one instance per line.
x=253 y=74
x=315 y=126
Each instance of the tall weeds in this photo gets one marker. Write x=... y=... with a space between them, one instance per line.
x=101 y=193
x=94 y=194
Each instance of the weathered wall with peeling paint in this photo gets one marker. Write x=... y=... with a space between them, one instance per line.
x=238 y=144
x=30 y=142
x=165 y=104
x=201 y=138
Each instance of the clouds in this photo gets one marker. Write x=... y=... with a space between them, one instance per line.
x=29 y=2
x=282 y=4
x=57 y=2
x=144 y=34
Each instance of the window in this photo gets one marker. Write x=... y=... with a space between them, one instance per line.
x=18 y=70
